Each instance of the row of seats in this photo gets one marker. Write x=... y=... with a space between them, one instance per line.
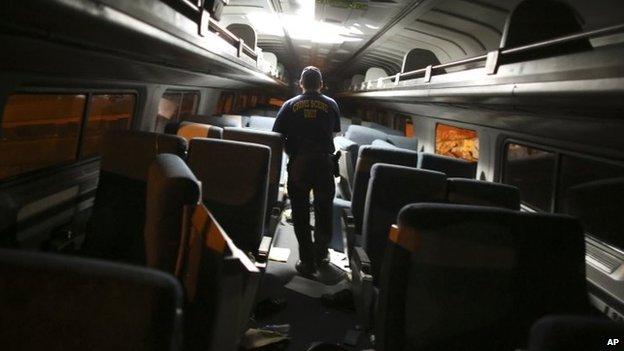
x=190 y=130
x=253 y=121
x=457 y=275
x=353 y=211
x=238 y=173
x=390 y=188
x=352 y=152
x=61 y=303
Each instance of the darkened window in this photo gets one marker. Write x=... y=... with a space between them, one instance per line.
x=39 y=130
x=593 y=191
x=190 y=102
x=457 y=142
x=532 y=170
x=175 y=106
x=106 y=112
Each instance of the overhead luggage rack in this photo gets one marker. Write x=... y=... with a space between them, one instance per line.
x=196 y=11
x=491 y=61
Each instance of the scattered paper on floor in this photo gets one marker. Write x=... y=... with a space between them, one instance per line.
x=279 y=254
x=339 y=260
x=313 y=288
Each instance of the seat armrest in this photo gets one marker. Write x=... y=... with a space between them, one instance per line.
x=347 y=217
x=349 y=233
x=360 y=258
x=263 y=250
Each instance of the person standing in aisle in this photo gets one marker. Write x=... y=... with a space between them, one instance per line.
x=308 y=123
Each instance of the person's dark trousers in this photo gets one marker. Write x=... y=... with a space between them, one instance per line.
x=311 y=172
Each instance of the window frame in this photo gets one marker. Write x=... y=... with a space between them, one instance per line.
x=183 y=92
x=88 y=93
x=558 y=153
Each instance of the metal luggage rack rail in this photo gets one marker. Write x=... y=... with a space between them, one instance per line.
x=490 y=61
x=195 y=11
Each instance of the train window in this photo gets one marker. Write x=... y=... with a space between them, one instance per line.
x=106 y=112
x=532 y=170
x=409 y=128
x=457 y=142
x=592 y=191
x=174 y=106
x=224 y=105
x=189 y=105
x=39 y=130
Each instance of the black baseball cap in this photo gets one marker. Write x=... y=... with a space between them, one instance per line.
x=311 y=77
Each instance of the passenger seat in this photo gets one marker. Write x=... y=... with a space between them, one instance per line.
x=364 y=135
x=346 y=165
x=235 y=178
x=471 y=277
x=59 y=303
x=220 y=284
x=115 y=231
x=390 y=188
x=368 y=157
x=171 y=187
x=274 y=142
x=190 y=130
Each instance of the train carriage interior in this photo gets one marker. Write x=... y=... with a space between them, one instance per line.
x=479 y=190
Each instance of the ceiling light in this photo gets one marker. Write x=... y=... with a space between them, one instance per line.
x=371 y=26
x=302 y=26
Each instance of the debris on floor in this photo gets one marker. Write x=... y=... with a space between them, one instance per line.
x=313 y=288
x=279 y=254
x=260 y=339
x=339 y=260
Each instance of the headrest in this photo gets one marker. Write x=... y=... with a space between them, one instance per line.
x=264 y=137
x=364 y=135
x=433 y=215
x=394 y=182
x=453 y=167
x=190 y=130
x=231 y=171
x=369 y=155
x=130 y=153
x=343 y=143
x=170 y=186
x=593 y=202
x=52 y=295
x=383 y=143
x=404 y=142
x=476 y=192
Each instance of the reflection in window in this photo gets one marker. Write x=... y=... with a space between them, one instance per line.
x=593 y=191
x=175 y=106
x=532 y=171
x=457 y=142
x=39 y=130
x=107 y=112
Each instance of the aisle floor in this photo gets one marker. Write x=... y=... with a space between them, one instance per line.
x=310 y=321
